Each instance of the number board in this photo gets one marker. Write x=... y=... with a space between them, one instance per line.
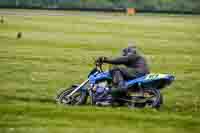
x=154 y=76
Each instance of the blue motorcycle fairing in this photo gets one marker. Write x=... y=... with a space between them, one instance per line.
x=93 y=71
x=147 y=79
x=99 y=76
x=150 y=78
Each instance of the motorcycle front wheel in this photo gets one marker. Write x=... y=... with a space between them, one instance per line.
x=78 y=98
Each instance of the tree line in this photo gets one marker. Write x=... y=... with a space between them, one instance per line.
x=192 y=6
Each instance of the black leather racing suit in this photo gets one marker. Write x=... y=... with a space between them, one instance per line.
x=133 y=66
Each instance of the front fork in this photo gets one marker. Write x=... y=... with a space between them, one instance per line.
x=78 y=88
x=90 y=90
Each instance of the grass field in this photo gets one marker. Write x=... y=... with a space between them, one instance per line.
x=57 y=50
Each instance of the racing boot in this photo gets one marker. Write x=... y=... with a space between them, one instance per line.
x=119 y=86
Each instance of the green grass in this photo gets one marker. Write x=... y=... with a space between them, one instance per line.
x=56 y=51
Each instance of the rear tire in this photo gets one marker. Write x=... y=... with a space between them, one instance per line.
x=158 y=101
x=79 y=98
x=155 y=101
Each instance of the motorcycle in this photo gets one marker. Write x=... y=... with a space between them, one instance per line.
x=141 y=92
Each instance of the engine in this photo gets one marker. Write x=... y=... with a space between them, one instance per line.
x=102 y=91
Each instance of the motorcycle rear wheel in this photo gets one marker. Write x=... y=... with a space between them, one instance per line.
x=158 y=98
x=155 y=102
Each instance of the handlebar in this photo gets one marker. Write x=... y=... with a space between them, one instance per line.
x=99 y=65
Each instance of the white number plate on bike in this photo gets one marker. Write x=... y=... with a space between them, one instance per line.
x=154 y=76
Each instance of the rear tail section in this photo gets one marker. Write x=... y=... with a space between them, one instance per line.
x=158 y=81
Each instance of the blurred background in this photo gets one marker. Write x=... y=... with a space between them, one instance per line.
x=178 y=6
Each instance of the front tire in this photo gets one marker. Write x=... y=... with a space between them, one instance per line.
x=79 y=98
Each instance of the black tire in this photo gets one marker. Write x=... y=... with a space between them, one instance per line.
x=153 y=103
x=158 y=101
x=140 y=105
x=79 y=98
x=133 y=105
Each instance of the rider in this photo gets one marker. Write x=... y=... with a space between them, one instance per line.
x=134 y=65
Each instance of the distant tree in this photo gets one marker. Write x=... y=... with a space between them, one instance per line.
x=152 y=5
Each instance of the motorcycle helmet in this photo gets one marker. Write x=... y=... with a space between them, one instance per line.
x=130 y=50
